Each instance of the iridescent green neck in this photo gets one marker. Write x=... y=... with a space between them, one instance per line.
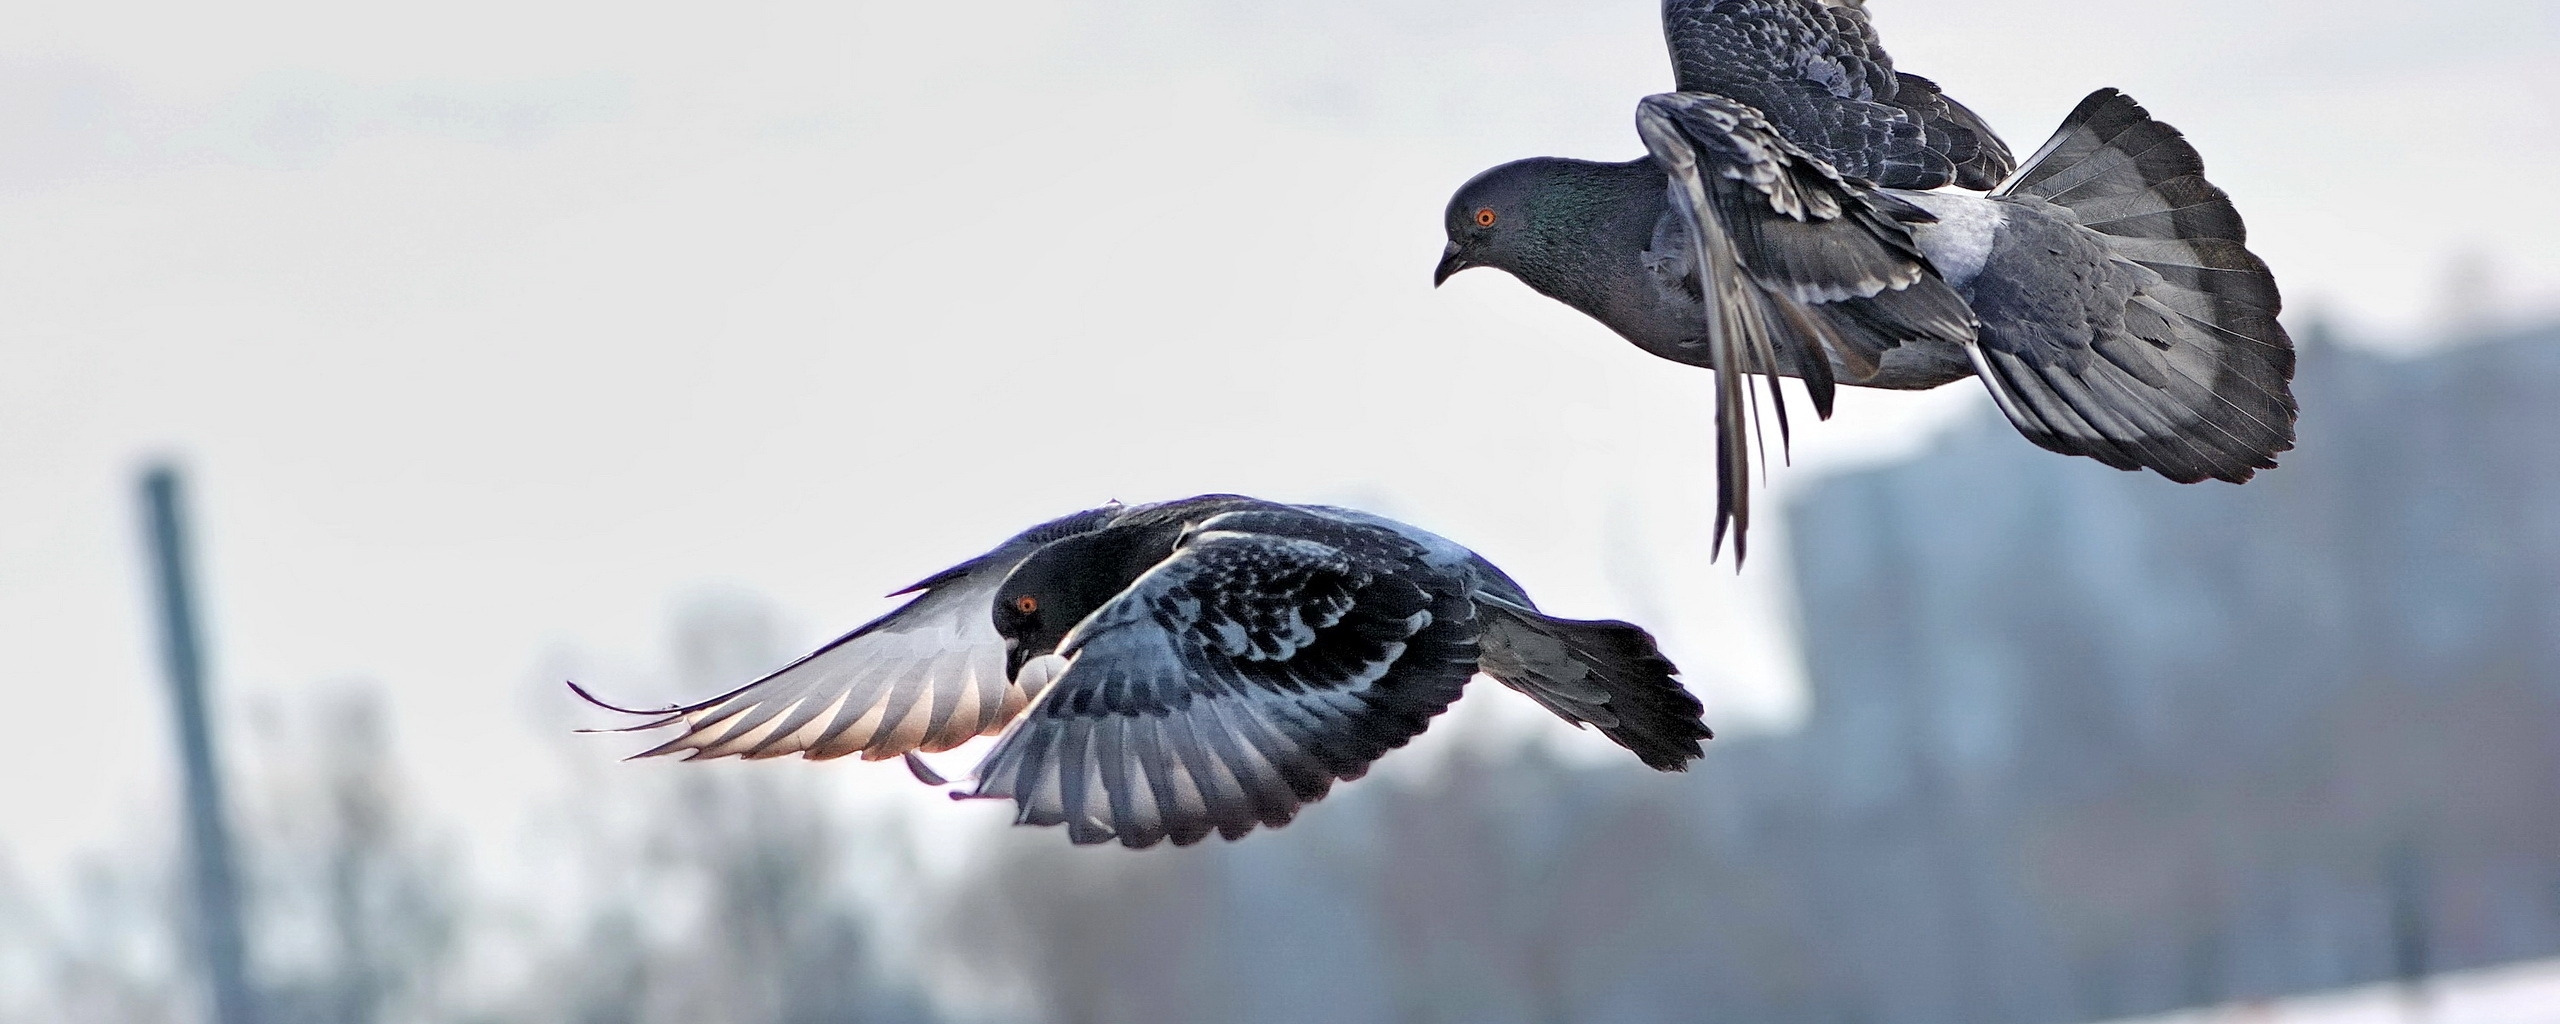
x=1587 y=223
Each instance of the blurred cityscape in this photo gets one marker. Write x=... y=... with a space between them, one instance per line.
x=2083 y=745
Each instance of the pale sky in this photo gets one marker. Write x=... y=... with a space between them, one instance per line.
x=492 y=333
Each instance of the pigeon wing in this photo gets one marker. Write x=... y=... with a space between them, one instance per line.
x=1226 y=688
x=1819 y=73
x=928 y=676
x=1796 y=265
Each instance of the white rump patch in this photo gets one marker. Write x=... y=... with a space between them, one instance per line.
x=1960 y=242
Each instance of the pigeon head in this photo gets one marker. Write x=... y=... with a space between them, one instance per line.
x=1490 y=215
x=1058 y=586
x=1548 y=221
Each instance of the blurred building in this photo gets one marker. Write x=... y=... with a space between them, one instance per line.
x=2171 y=745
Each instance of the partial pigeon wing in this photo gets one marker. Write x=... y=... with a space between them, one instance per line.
x=1796 y=265
x=1982 y=161
x=1226 y=688
x=927 y=676
x=2138 y=329
x=1818 y=72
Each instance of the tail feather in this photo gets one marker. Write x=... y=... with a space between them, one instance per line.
x=2194 y=380
x=1601 y=673
x=2107 y=146
x=2225 y=270
x=2183 y=207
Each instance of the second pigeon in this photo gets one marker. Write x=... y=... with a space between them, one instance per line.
x=1785 y=223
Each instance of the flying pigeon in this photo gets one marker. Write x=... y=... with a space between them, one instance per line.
x=2105 y=292
x=1205 y=665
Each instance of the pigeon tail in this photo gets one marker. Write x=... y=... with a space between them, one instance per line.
x=2194 y=382
x=1604 y=674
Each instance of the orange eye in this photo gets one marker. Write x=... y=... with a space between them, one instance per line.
x=1484 y=217
x=1027 y=604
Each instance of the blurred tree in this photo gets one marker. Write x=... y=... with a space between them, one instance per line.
x=104 y=952
x=717 y=893
x=355 y=899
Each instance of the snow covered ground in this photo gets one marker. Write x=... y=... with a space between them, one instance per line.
x=2526 y=993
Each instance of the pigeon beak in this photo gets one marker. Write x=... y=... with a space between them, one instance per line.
x=1450 y=263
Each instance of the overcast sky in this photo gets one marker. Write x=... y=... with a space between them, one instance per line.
x=493 y=333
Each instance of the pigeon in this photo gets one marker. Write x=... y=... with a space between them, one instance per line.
x=2104 y=292
x=1173 y=670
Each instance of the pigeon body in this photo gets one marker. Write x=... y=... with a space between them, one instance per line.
x=1578 y=223
x=1782 y=224
x=1199 y=666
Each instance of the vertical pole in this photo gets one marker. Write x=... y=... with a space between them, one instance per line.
x=217 y=893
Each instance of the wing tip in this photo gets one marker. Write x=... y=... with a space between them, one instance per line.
x=588 y=696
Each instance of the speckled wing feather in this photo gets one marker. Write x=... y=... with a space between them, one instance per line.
x=1797 y=267
x=1597 y=673
x=1229 y=686
x=927 y=676
x=1817 y=71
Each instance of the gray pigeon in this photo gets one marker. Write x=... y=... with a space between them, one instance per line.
x=2105 y=292
x=1165 y=671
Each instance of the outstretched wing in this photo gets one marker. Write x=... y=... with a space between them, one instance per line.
x=927 y=676
x=1797 y=267
x=1816 y=69
x=1226 y=688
